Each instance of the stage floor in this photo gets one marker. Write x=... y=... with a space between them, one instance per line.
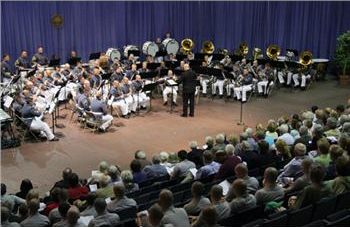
x=156 y=131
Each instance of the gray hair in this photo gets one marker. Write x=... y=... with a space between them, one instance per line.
x=332 y=122
x=163 y=156
x=229 y=149
x=209 y=140
x=103 y=166
x=344 y=119
x=283 y=129
x=193 y=144
x=243 y=136
x=249 y=132
x=318 y=130
x=140 y=154
x=220 y=138
x=155 y=159
x=299 y=149
x=126 y=176
x=303 y=130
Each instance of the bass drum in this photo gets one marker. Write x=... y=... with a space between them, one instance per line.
x=113 y=53
x=171 y=46
x=128 y=48
x=150 y=48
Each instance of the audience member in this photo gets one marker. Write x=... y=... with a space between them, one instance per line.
x=128 y=181
x=34 y=218
x=103 y=218
x=198 y=201
x=26 y=186
x=156 y=169
x=5 y=215
x=121 y=201
x=227 y=168
x=141 y=157
x=182 y=168
x=139 y=175
x=270 y=191
x=243 y=200
x=210 y=166
x=195 y=155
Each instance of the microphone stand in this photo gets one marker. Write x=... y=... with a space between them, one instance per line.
x=241 y=111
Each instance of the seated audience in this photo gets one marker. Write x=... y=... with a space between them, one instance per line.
x=103 y=218
x=293 y=168
x=172 y=216
x=55 y=214
x=209 y=217
x=54 y=201
x=26 y=186
x=270 y=191
x=182 y=168
x=243 y=200
x=302 y=181
x=323 y=157
x=210 y=166
x=34 y=218
x=114 y=174
x=249 y=156
x=63 y=210
x=141 y=156
x=341 y=183
x=139 y=175
x=227 y=168
x=105 y=189
x=121 y=201
x=219 y=143
x=156 y=169
x=128 y=181
x=76 y=190
x=154 y=217
x=285 y=135
x=12 y=200
x=89 y=209
x=335 y=151
x=198 y=201
x=5 y=215
x=314 y=192
x=195 y=155
x=64 y=183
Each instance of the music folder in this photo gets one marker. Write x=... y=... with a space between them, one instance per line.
x=153 y=66
x=171 y=83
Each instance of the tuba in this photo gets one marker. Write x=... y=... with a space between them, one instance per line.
x=273 y=51
x=186 y=46
x=305 y=60
x=243 y=49
x=208 y=47
x=257 y=53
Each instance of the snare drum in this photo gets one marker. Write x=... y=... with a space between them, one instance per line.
x=113 y=53
x=150 y=48
x=171 y=46
x=128 y=48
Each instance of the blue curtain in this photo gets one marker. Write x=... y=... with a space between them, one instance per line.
x=95 y=26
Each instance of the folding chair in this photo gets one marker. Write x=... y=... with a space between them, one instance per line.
x=93 y=120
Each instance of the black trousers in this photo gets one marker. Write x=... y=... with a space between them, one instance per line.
x=185 y=98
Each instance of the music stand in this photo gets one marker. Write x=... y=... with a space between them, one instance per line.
x=172 y=64
x=181 y=57
x=153 y=66
x=149 y=75
x=136 y=53
x=216 y=73
x=149 y=88
x=172 y=84
x=54 y=62
x=74 y=61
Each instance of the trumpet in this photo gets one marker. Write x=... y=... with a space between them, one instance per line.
x=239 y=80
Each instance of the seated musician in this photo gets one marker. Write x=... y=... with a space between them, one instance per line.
x=117 y=99
x=82 y=98
x=118 y=74
x=144 y=68
x=33 y=120
x=98 y=106
x=6 y=72
x=23 y=61
x=170 y=90
x=39 y=58
x=141 y=98
x=204 y=80
x=219 y=83
x=286 y=73
x=299 y=78
x=130 y=74
x=96 y=79
x=244 y=84
x=128 y=95
x=266 y=80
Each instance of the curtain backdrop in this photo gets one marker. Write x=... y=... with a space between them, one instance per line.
x=95 y=26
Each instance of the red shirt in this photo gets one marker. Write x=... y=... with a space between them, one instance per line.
x=49 y=207
x=77 y=192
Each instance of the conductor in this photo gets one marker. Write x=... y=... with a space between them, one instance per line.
x=189 y=81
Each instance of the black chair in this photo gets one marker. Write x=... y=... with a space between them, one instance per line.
x=343 y=222
x=128 y=213
x=338 y=215
x=180 y=187
x=129 y=223
x=317 y=223
x=300 y=217
x=149 y=188
x=187 y=195
x=323 y=208
x=145 y=183
x=343 y=201
x=277 y=221
x=243 y=217
x=254 y=172
x=255 y=223
x=178 y=196
x=144 y=198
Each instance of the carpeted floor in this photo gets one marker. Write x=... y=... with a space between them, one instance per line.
x=153 y=132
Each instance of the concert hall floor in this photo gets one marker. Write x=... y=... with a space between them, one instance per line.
x=156 y=131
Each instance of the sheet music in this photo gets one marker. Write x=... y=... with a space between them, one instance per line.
x=169 y=169
x=193 y=171
x=225 y=187
x=171 y=82
x=108 y=200
x=93 y=187
x=8 y=101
